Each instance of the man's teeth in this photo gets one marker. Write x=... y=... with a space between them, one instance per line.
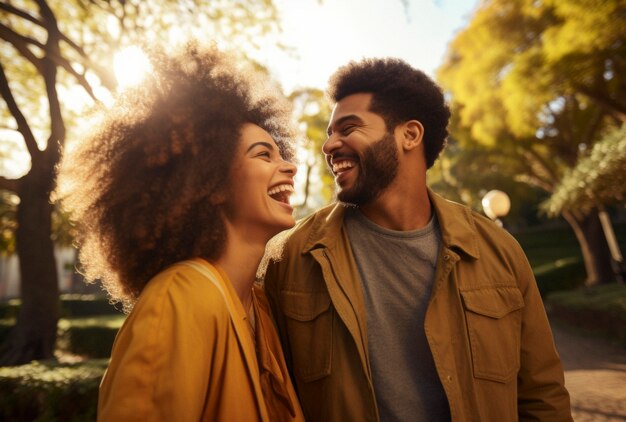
x=280 y=188
x=342 y=165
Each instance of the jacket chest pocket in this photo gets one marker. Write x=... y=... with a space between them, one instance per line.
x=494 y=324
x=309 y=326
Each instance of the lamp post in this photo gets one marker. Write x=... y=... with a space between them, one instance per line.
x=496 y=204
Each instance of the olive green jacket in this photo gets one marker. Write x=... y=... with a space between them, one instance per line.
x=485 y=323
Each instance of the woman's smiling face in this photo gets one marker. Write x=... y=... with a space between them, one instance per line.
x=261 y=183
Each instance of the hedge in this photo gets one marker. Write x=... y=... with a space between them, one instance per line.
x=48 y=391
x=72 y=305
x=88 y=337
x=600 y=310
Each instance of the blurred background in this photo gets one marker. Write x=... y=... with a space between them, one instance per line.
x=538 y=144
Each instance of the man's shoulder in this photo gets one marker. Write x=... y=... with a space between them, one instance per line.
x=454 y=216
x=309 y=224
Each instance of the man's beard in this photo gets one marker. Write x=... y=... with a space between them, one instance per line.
x=377 y=170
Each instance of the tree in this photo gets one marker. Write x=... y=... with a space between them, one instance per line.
x=51 y=54
x=539 y=82
x=313 y=113
x=598 y=179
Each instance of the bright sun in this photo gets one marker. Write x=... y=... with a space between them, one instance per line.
x=130 y=65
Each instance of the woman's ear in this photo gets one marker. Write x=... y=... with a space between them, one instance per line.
x=218 y=198
x=412 y=134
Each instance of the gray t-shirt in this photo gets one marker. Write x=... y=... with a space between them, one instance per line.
x=397 y=271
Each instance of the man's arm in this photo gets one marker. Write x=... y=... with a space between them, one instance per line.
x=541 y=386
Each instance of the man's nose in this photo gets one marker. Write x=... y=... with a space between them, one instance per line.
x=332 y=143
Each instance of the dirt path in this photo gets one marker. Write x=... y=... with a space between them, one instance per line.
x=595 y=375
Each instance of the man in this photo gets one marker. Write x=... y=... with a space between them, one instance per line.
x=395 y=304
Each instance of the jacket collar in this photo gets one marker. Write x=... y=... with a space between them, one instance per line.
x=455 y=221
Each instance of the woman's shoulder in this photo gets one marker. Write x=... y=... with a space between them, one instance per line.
x=183 y=288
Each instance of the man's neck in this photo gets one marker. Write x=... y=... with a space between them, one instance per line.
x=403 y=206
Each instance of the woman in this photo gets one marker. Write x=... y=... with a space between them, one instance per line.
x=176 y=193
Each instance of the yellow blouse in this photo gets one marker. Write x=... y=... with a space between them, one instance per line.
x=185 y=353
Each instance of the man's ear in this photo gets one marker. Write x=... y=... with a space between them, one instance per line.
x=412 y=133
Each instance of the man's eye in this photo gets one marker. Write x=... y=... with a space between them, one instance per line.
x=263 y=154
x=347 y=129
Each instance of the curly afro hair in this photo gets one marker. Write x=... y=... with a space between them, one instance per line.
x=140 y=185
x=399 y=93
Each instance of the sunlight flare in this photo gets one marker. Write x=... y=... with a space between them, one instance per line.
x=130 y=65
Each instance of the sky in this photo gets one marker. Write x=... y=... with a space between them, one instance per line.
x=328 y=33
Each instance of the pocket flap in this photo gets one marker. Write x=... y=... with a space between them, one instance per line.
x=494 y=302
x=304 y=306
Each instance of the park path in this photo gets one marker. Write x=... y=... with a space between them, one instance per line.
x=595 y=375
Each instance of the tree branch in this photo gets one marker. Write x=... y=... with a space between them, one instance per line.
x=21 y=13
x=12 y=185
x=57 y=126
x=20 y=43
x=533 y=157
x=613 y=106
x=22 y=124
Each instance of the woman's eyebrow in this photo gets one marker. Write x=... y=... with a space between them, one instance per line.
x=265 y=144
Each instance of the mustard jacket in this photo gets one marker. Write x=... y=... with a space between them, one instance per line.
x=485 y=323
x=186 y=353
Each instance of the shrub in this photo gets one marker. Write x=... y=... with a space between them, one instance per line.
x=48 y=391
x=599 y=309
x=9 y=309
x=5 y=327
x=73 y=305
x=562 y=274
x=91 y=337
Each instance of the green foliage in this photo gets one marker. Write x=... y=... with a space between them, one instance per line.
x=9 y=309
x=47 y=391
x=72 y=306
x=555 y=258
x=5 y=327
x=92 y=337
x=75 y=305
x=88 y=328
x=517 y=59
x=562 y=274
x=465 y=173
x=534 y=98
x=313 y=113
x=522 y=87
x=598 y=178
x=599 y=310
x=86 y=337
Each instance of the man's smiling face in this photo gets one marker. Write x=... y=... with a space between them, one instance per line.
x=360 y=151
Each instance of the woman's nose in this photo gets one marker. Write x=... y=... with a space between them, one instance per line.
x=288 y=168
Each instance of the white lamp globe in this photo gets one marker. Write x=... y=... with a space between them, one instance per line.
x=496 y=204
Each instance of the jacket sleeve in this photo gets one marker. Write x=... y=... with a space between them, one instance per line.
x=272 y=286
x=164 y=355
x=541 y=386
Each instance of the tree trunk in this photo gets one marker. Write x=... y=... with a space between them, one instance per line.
x=34 y=335
x=594 y=247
